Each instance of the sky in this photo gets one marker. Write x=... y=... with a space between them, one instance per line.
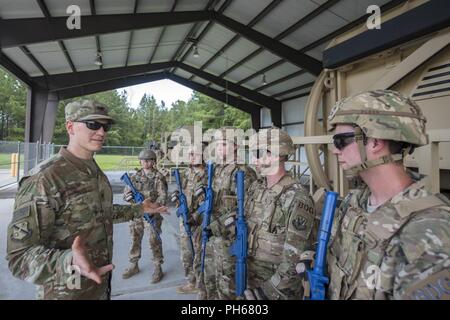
x=165 y=90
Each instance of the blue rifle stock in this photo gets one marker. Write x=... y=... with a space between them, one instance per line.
x=205 y=210
x=317 y=277
x=139 y=198
x=239 y=247
x=183 y=210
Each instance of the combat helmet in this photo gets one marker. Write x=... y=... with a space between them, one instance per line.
x=381 y=114
x=147 y=155
x=275 y=140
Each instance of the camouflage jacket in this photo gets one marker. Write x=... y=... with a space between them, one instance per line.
x=194 y=178
x=399 y=251
x=152 y=185
x=280 y=223
x=63 y=199
x=225 y=200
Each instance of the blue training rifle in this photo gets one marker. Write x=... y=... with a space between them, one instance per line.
x=139 y=198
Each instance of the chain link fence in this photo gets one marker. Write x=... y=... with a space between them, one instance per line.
x=17 y=158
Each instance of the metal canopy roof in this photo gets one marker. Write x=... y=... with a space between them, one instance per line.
x=240 y=44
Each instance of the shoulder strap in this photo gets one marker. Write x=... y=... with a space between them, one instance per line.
x=283 y=184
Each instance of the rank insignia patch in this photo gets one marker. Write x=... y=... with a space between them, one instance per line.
x=21 y=231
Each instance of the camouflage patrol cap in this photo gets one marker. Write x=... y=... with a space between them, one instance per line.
x=147 y=155
x=272 y=138
x=85 y=110
x=382 y=114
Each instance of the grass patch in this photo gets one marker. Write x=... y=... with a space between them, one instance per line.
x=5 y=160
x=108 y=162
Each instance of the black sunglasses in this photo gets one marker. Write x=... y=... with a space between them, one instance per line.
x=94 y=125
x=341 y=140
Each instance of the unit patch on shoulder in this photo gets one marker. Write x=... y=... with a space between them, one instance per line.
x=299 y=223
x=21 y=231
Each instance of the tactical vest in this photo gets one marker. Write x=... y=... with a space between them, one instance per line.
x=225 y=197
x=225 y=202
x=354 y=262
x=146 y=183
x=193 y=180
x=263 y=243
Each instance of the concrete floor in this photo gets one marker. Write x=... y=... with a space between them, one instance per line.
x=135 y=288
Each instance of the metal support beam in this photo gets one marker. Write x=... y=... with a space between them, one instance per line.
x=97 y=38
x=427 y=18
x=14 y=69
x=191 y=33
x=40 y=115
x=35 y=111
x=34 y=124
x=50 y=118
x=47 y=14
x=278 y=48
x=108 y=85
x=18 y=32
x=282 y=35
x=64 y=81
x=63 y=48
x=238 y=103
x=256 y=119
x=254 y=21
x=161 y=34
x=206 y=29
x=275 y=115
x=247 y=93
x=68 y=80
x=33 y=59
x=322 y=40
x=130 y=40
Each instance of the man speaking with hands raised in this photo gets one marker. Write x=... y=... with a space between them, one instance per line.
x=61 y=234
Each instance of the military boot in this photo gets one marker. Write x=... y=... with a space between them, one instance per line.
x=157 y=274
x=131 y=270
x=187 y=288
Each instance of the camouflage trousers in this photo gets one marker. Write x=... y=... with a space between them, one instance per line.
x=137 y=227
x=219 y=270
x=192 y=268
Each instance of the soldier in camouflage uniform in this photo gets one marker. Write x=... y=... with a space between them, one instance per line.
x=219 y=265
x=61 y=234
x=391 y=237
x=280 y=217
x=194 y=179
x=152 y=184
